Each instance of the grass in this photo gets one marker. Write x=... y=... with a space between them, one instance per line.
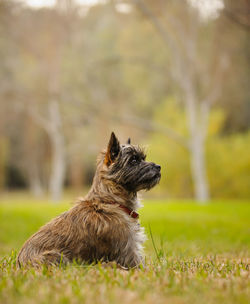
x=195 y=254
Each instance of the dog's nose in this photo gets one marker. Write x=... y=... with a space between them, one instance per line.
x=158 y=167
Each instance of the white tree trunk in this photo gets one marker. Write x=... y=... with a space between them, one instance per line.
x=197 y=116
x=53 y=126
x=198 y=169
x=58 y=165
x=35 y=182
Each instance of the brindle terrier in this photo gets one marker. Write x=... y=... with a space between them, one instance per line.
x=104 y=225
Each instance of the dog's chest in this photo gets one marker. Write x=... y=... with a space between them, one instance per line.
x=113 y=242
x=138 y=234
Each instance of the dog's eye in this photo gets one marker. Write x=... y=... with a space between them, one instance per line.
x=134 y=160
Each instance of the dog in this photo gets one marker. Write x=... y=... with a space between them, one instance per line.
x=103 y=226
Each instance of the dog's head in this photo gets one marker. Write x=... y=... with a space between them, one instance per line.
x=127 y=166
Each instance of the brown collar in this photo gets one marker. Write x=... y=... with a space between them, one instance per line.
x=129 y=211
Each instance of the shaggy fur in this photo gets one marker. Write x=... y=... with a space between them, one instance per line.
x=96 y=228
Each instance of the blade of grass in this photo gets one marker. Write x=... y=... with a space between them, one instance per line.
x=153 y=242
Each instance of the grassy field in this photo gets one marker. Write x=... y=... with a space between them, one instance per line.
x=195 y=254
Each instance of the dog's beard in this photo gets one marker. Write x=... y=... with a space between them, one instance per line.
x=148 y=182
x=135 y=180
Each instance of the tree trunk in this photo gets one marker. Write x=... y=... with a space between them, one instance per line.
x=58 y=166
x=197 y=117
x=3 y=161
x=35 y=183
x=198 y=169
x=76 y=173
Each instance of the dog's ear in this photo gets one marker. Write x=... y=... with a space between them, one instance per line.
x=128 y=141
x=112 y=150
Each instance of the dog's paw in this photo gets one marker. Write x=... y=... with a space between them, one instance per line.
x=113 y=264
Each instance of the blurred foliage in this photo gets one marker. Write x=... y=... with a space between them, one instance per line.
x=229 y=165
x=70 y=76
x=173 y=158
x=228 y=160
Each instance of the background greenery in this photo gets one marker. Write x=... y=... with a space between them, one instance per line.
x=173 y=75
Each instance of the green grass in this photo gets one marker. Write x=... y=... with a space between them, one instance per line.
x=196 y=254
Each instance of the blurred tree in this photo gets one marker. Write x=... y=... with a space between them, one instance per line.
x=234 y=22
x=69 y=75
x=7 y=60
x=228 y=161
x=197 y=67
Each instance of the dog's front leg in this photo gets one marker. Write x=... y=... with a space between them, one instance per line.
x=131 y=258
